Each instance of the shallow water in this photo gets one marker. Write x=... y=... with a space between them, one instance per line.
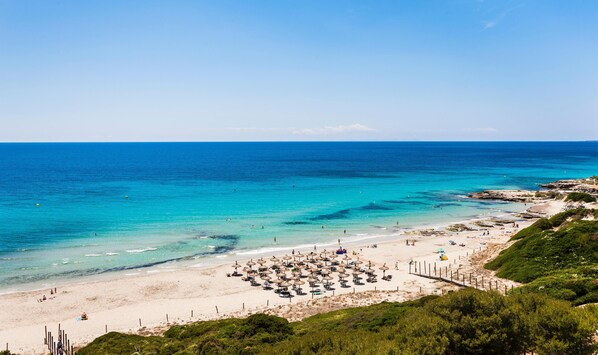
x=121 y=206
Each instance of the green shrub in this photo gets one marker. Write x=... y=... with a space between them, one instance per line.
x=464 y=322
x=580 y=197
x=573 y=214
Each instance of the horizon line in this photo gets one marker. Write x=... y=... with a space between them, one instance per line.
x=306 y=141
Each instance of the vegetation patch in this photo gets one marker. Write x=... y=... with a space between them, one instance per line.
x=464 y=322
x=580 y=197
x=556 y=256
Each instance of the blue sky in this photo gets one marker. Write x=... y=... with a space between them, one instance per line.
x=298 y=70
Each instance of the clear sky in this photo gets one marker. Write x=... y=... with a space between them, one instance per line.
x=298 y=70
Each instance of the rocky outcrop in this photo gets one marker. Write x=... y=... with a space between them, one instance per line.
x=589 y=186
x=458 y=228
x=504 y=195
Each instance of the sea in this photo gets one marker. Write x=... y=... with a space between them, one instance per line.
x=74 y=210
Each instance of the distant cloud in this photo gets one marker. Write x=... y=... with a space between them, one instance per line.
x=496 y=20
x=356 y=127
x=482 y=129
x=326 y=130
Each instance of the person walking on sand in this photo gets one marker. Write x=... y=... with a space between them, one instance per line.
x=59 y=346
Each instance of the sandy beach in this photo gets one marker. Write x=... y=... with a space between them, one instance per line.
x=141 y=303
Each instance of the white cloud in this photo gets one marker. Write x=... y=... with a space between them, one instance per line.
x=326 y=130
x=356 y=127
x=491 y=23
x=482 y=129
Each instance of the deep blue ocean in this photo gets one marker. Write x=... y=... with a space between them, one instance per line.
x=77 y=209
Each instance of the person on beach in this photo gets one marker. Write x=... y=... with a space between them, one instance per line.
x=59 y=346
x=274 y=240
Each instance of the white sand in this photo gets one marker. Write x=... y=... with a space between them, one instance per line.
x=119 y=303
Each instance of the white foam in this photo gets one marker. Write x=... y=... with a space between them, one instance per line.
x=141 y=250
x=93 y=255
x=110 y=254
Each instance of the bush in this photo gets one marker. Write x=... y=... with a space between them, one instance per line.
x=464 y=322
x=580 y=197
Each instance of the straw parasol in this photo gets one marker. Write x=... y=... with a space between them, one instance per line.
x=284 y=284
x=384 y=268
x=250 y=263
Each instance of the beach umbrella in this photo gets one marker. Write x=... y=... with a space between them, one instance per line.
x=369 y=271
x=274 y=259
x=284 y=284
x=266 y=278
x=342 y=275
x=250 y=263
x=312 y=279
x=299 y=282
x=236 y=265
x=384 y=268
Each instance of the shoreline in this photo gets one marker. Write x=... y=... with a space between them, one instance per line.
x=241 y=254
x=142 y=303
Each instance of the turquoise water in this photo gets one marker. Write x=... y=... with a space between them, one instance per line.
x=119 y=206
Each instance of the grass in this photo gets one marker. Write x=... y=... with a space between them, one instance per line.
x=557 y=257
x=580 y=197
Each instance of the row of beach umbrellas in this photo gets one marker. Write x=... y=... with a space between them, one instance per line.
x=314 y=263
